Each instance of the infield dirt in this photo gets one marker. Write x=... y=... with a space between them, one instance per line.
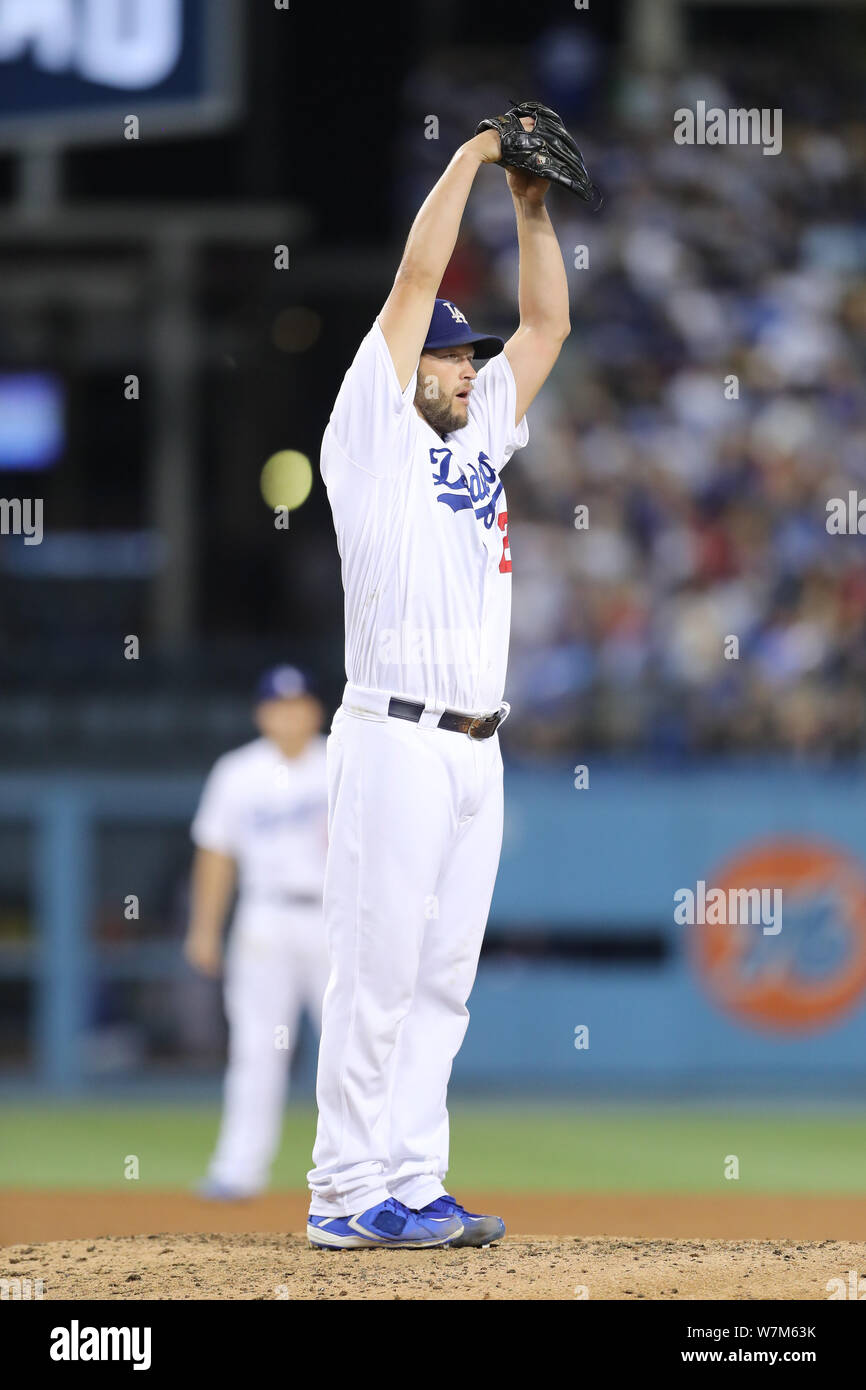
x=254 y=1267
x=83 y=1245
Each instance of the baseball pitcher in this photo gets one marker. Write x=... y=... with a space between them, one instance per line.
x=412 y=458
x=261 y=826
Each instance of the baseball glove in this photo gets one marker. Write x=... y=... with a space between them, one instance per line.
x=547 y=151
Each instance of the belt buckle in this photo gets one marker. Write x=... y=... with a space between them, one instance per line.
x=482 y=721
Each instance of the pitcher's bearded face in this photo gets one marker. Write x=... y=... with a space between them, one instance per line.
x=445 y=378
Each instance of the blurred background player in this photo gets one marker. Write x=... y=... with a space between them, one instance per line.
x=261 y=827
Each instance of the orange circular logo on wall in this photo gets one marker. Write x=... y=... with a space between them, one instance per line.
x=809 y=971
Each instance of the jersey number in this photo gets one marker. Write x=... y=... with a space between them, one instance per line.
x=505 y=562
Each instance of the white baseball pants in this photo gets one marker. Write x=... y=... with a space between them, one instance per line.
x=415 y=832
x=276 y=967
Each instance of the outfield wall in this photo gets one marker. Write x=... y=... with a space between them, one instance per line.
x=773 y=1006
x=582 y=934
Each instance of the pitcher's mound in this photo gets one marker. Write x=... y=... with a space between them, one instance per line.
x=522 y=1267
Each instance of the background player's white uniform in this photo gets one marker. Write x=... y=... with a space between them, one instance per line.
x=415 y=812
x=269 y=813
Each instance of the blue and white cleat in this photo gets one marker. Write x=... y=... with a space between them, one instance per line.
x=389 y=1224
x=477 y=1230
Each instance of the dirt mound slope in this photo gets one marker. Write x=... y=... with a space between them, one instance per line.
x=267 y=1266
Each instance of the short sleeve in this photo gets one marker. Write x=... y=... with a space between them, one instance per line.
x=492 y=406
x=368 y=422
x=214 y=826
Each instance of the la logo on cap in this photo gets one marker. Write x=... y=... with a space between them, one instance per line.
x=455 y=312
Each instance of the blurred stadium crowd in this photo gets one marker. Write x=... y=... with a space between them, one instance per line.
x=707 y=497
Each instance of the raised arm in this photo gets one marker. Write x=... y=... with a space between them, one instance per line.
x=405 y=316
x=542 y=291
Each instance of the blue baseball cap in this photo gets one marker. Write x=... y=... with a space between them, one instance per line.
x=283 y=683
x=450 y=328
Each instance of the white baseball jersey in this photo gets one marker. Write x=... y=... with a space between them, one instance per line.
x=270 y=814
x=422 y=529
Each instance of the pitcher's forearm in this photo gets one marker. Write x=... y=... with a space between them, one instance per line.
x=433 y=235
x=542 y=283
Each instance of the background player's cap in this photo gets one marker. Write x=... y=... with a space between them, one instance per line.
x=283 y=683
x=450 y=328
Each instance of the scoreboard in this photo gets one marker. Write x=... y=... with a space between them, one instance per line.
x=71 y=70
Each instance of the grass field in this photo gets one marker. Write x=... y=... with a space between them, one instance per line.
x=526 y=1148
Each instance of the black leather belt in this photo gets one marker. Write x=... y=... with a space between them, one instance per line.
x=476 y=726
